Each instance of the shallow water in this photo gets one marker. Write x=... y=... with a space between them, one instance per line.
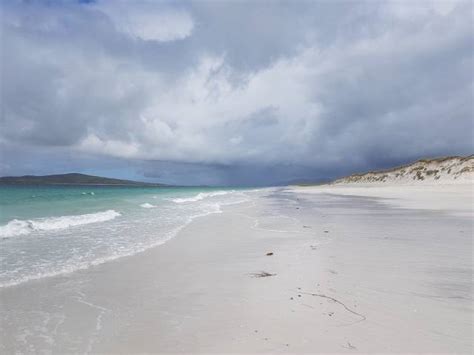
x=50 y=230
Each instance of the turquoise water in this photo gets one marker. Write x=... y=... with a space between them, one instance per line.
x=26 y=202
x=52 y=230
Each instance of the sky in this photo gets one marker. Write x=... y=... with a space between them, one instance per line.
x=233 y=92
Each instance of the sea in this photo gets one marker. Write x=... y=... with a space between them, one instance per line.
x=52 y=230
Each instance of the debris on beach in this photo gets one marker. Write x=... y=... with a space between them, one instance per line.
x=349 y=346
x=269 y=254
x=363 y=318
x=262 y=274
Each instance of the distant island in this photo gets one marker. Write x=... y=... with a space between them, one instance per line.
x=71 y=179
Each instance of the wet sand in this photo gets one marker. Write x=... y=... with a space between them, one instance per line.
x=347 y=274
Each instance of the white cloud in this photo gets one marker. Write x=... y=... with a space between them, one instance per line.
x=111 y=147
x=415 y=10
x=148 y=20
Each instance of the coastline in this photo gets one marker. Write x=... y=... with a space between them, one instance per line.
x=348 y=274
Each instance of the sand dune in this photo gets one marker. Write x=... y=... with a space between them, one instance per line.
x=439 y=170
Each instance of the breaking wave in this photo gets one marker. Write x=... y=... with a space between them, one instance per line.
x=18 y=227
x=201 y=196
x=147 y=205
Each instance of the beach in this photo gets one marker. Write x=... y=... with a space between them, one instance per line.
x=236 y=177
x=331 y=269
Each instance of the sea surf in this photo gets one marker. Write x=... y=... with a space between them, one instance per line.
x=52 y=230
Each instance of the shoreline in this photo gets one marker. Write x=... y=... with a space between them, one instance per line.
x=394 y=284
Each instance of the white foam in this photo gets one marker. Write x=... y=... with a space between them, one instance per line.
x=79 y=262
x=201 y=196
x=18 y=227
x=135 y=249
x=147 y=205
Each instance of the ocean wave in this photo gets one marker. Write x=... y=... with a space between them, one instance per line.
x=201 y=196
x=18 y=227
x=147 y=205
x=115 y=248
x=78 y=264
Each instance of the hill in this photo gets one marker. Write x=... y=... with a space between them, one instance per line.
x=443 y=170
x=69 y=179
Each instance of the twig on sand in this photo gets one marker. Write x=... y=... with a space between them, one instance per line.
x=261 y=274
x=337 y=301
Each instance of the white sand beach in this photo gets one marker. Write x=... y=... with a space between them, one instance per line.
x=353 y=270
x=449 y=198
x=236 y=177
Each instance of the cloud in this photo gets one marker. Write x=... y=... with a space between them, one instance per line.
x=299 y=89
x=148 y=20
x=420 y=9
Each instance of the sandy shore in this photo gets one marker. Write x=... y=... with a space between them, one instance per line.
x=452 y=198
x=365 y=271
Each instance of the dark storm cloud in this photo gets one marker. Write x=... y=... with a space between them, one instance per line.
x=235 y=92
